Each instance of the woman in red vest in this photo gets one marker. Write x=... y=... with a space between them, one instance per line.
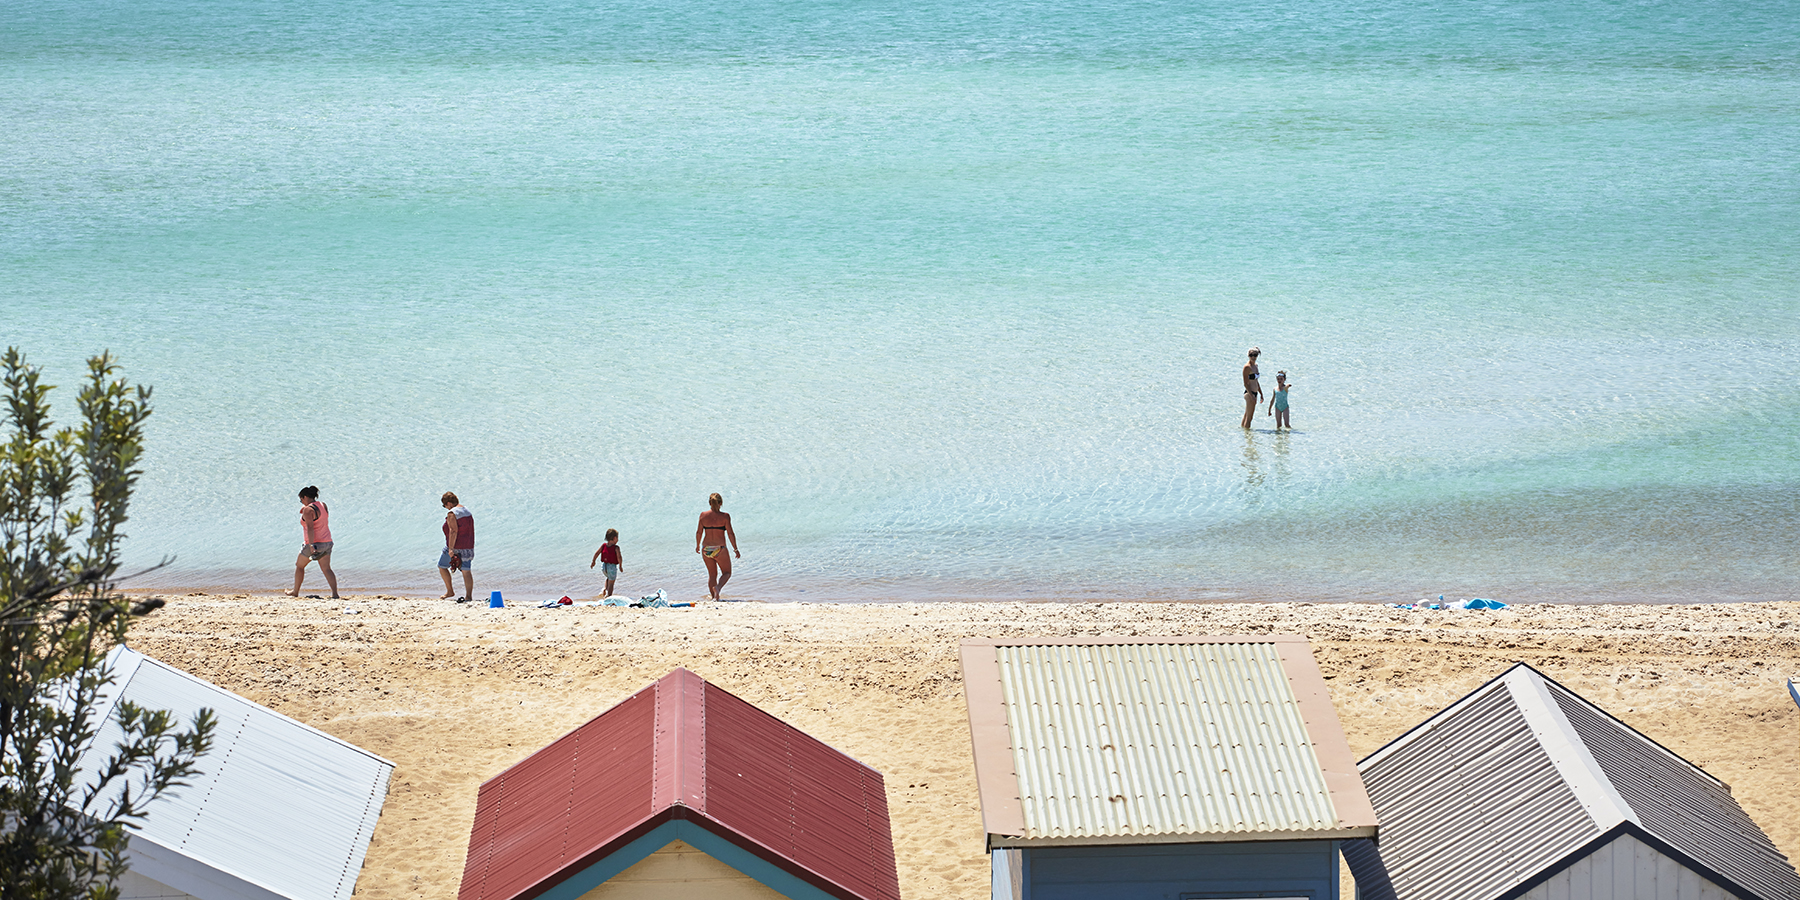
x=459 y=547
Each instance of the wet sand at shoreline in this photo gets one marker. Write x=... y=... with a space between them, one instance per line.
x=453 y=693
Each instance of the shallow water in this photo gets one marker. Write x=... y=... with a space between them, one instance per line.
x=946 y=302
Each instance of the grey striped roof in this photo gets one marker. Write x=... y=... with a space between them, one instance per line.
x=279 y=811
x=1520 y=778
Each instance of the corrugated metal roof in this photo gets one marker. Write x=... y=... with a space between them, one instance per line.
x=1471 y=806
x=1145 y=740
x=277 y=804
x=1678 y=802
x=1522 y=777
x=682 y=748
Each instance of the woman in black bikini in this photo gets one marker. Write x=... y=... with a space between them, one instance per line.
x=1252 y=389
x=709 y=542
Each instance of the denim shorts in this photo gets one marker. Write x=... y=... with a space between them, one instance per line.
x=316 y=550
x=465 y=557
x=611 y=571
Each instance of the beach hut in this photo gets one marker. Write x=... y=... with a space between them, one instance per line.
x=1522 y=789
x=278 y=811
x=682 y=790
x=1179 y=767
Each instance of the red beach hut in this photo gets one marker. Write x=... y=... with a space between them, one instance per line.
x=682 y=790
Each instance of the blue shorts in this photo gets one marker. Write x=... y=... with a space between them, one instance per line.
x=466 y=556
x=611 y=570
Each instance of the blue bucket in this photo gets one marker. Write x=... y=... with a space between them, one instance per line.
x=494 y=601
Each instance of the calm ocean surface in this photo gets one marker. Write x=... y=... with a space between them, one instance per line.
x=947 y=299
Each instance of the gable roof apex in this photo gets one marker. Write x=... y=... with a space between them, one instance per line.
x=688 y=752
x=1546 y=776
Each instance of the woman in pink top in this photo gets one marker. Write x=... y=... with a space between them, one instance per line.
x=315 y=535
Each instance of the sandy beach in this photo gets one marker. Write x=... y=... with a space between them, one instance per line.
x=454 y=694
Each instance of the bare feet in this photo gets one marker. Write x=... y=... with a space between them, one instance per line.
x=292 y=593
x=447 y=595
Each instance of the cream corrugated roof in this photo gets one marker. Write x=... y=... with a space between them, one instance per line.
x=1160 y=740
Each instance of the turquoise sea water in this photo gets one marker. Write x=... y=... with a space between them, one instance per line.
x=947 y=301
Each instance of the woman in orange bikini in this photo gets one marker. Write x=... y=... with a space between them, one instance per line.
x=709 y=542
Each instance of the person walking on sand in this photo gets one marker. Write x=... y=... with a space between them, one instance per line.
x=459 y=547
x=1252 y=389
x=1278 y=402
x=315 y=537
x=709 y=542
x=611 y=558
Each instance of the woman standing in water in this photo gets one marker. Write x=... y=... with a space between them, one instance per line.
x=709 y=542
x=315 y=536
x=1252 y=389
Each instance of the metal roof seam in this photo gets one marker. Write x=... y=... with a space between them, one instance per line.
x=1173 y=802
x=363 y=826
x=1191 y=726
x=1275 y=796
x=237 y=735
x=1213 y=777
x=1231 y=740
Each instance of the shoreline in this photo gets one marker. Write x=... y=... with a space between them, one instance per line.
x=453 y=694
x=536 y=587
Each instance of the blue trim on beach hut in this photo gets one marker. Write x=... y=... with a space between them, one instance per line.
x=1217 y=870
x=698 y=837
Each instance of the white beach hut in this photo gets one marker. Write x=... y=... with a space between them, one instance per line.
x=279 y=811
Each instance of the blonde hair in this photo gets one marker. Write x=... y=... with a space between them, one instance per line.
x=716 y=501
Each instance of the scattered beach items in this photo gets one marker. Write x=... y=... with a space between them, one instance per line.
x=1441 y=603
x=350 y=612
x=658 y=600
x=494 y=601
x=695 y=801
x=1569 y=802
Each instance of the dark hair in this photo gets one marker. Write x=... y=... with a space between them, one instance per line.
x=449 y=498
x=716 y=501
x=612 y=534
x=309 y=492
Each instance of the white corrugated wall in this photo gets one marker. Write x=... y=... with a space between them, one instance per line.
x=1626 y=868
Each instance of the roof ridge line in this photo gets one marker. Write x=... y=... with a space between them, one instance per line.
x=1571 y=756
x=679 y=746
